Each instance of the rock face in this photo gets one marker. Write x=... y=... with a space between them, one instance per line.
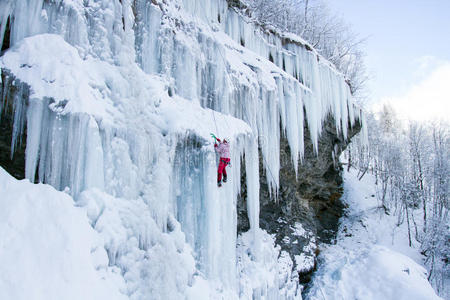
x=309 y=202
x=9 y=90
x=13 y=165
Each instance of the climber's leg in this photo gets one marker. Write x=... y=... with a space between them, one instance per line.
x=219 y=172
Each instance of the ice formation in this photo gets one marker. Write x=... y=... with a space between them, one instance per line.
x=118 y=99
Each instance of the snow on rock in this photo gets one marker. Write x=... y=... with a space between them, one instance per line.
x=369 y=260
x=54 y=69
x=263 y=270
x=304 y=263
x=48 y=250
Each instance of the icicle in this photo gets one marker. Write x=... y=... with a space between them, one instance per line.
x=6 y=8
x=148 y=46
x=340 y=94
x=269 y=138
x=26 y=22
x=94 y=158
x=252 y=171
x=34 y=129
x=344 y=109
x=365 y=134
x=19 y=120
x=312 y=116
x=301 y=122
x=44 y=155
x=351 y=113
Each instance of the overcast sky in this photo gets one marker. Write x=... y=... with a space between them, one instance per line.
x=408 y=52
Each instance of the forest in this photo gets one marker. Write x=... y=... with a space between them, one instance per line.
x=410 y=162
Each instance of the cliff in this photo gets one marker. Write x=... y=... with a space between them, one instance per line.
x=113 y=103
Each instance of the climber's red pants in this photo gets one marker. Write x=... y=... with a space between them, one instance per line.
x=222 y=165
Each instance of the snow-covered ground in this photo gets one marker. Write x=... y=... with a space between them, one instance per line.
x=47 y=248
x=371 y=258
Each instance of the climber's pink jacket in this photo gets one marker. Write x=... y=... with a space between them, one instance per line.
x=223 y=149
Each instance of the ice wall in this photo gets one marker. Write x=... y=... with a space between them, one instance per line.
x=290 y=75
x=122 y=98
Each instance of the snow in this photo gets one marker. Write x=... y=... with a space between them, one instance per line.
x=59 y=72
x=48 y=250
x=304 y=262
x=152 y=262
x=370 y=259
x=265 y=272
x=376 y=273
x=298 y=230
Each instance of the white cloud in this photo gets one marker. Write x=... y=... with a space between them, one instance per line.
x=427 y=99
x=426 y=65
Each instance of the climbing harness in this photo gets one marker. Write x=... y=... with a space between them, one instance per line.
x=225 y=162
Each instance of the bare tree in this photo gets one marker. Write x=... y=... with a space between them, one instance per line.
x=411 y=165
x=416 y=150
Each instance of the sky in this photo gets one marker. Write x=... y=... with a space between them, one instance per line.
x=408 y=53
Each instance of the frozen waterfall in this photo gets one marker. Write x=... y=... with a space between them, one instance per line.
x=118 y=98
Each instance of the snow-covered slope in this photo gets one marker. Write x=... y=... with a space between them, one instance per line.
x=47 y=249
x=371 y=258
x=116 y=100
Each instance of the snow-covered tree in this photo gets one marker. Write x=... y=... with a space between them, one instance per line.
x=411 y=164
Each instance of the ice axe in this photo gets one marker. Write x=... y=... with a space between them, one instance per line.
x=214 y=137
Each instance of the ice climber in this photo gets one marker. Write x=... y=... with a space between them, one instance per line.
x=223 y=149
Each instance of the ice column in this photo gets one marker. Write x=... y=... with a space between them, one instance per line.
x=252 y=173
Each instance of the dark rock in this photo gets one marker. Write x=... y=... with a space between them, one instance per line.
x=236 y=3
x=12 y=95
x=311 y=199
